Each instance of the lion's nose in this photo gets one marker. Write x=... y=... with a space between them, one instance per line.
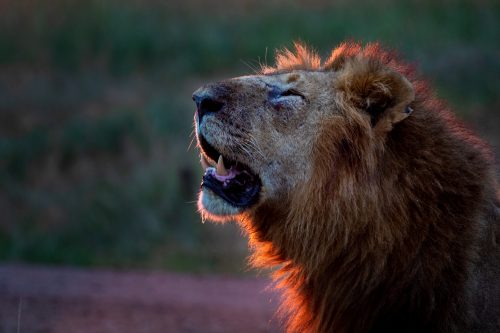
x=206 y=103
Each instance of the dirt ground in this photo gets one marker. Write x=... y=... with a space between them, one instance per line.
x=62 y=300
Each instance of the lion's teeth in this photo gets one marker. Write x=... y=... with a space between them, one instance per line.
x=221 y=169
x=204 y=162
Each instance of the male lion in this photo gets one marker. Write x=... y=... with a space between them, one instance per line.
x=378 y=207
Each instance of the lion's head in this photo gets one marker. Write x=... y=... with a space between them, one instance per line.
x=352 y=177
x=260 y=135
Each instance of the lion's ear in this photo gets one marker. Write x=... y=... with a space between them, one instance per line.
x=381 y=92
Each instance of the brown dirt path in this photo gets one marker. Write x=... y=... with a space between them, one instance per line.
x=63 y=300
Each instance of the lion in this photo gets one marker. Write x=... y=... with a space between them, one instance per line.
x=378 y=208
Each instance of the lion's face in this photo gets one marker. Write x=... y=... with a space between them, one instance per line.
x=264 y=127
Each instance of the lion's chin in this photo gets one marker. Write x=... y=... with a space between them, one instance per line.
x=212 y=207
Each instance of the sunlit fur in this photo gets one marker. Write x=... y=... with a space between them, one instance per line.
x=390 y=222
x=214 y=208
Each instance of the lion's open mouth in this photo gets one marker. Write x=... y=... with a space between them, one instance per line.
x=231 y=180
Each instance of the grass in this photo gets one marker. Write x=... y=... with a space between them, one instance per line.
x=96 y=114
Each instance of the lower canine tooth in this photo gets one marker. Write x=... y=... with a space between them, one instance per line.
x=221 y=169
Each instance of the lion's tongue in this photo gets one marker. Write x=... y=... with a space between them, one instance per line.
x=231 y=174
x=222 y=178
x=219 y=171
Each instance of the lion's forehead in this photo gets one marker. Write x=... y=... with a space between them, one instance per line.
x=303 y=78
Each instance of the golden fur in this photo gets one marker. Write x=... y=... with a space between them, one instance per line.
x=378 y=207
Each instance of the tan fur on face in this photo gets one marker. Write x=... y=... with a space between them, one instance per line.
x=379 y=207
x=275 y=144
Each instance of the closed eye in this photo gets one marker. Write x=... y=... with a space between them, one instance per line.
x=292 y=92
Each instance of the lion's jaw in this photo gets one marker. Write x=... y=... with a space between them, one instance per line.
x=264 y=127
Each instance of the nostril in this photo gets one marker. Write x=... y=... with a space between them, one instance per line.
x=207 y=102
x=210 y=105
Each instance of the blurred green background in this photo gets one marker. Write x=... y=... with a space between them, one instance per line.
x=96 y=111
